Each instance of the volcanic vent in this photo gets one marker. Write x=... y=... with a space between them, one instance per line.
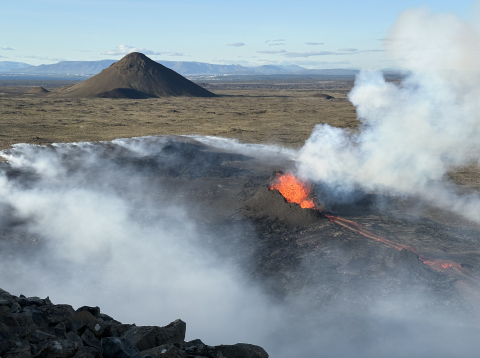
x=135 y=76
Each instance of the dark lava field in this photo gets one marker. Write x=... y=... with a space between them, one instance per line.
x=168 y=227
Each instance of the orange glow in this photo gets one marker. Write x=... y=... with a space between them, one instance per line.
x=294 y=190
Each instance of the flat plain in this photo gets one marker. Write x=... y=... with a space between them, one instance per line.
x=280 y=111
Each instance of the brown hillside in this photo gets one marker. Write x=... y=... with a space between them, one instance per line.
x=38 y=90
x=135 y=76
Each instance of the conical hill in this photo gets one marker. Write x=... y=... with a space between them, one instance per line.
x=135 y=76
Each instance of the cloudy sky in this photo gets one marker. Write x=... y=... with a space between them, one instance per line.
x=310 y=33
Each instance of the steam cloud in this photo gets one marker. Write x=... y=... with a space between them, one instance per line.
x=413 y=132
x=140 y=262
x=75 y=230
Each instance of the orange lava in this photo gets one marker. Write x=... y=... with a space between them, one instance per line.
x=294 y=190
x=435 y=264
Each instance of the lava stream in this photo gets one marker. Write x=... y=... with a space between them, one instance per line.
x=296 y=190
x=435 y=264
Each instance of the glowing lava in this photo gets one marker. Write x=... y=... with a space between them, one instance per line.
x=294 y=190
x=435 y=264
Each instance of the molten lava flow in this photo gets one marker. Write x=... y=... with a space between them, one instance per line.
x=435 y=264
x=294 y=190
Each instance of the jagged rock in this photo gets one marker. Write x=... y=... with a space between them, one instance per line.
x=194 y=342
x=240 y=350
x=59 y=330
x=164 y=351
x=21 y=352
x=37 y=317
x=6 y=344
x=105 y=317
x=88 y=352
x=116 y=329
x=89 y=339
x=30 y=301
x=58 y=348
x=98 y=327
x=95 y=311
x=15 y=307
x=34 y=327
x=73 y=337
x=5 y=296
x=21 y=319
x=152 y=336
x=3 y=311
x=4 y=302
x=57 y=313
x=118 y=347
x=38 y=336
x=79 y=320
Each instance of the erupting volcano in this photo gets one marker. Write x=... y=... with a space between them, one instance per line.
x=297 y=190
x=294 y=190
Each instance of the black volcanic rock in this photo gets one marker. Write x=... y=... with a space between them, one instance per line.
x=271 y=205
x=116 y=347
x=34 y=327
x=152 y=336
x=135 y=76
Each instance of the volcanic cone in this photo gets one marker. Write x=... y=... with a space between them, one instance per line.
x=135 y=76
x=38 y=90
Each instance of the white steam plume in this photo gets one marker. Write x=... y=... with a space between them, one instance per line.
x=413 y=132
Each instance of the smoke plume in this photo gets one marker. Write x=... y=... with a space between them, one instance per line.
x=415 y=131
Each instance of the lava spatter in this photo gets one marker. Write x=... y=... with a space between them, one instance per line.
x=294 y=190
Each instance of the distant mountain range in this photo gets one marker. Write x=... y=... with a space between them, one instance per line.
x=7 y=66
x=185 y=68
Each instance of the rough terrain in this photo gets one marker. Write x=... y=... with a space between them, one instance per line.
x=35 y=327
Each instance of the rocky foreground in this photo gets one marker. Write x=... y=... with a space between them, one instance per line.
x=35 y=327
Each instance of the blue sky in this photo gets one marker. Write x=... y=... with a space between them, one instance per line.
x=310 y=33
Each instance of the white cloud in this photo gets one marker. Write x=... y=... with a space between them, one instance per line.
x=314 y=43
x=51 y=59
x=125 y=50
x=279 y=40
x=272 y=52
x=178 y=54
x=340 y=52
x=7 y=48
x=236 y=44
x=310 y=53
x=276 y=44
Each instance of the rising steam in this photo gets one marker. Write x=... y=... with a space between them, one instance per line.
x=414 y=132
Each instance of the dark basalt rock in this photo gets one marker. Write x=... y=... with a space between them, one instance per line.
x=88 y=352
x=149 y=337
x=271 y=205
x=34 y=327
x=239 y=350
x=118 y=347
x=95 y=311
